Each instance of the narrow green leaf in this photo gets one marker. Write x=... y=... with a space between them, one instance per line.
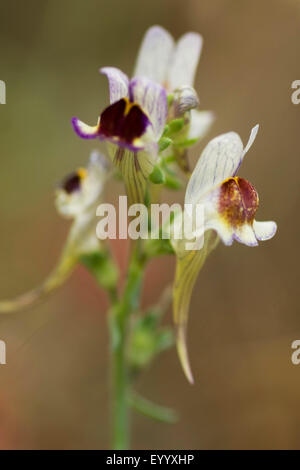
x=101 y=265
x=172 y=182
x=176 y=125
x=186 y=143
x=152 y=410
x=164 y=143
x=166 y=130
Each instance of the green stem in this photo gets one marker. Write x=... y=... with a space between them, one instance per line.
x=119 y=317
x=120 y=437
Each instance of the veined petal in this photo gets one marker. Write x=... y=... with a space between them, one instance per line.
x=189 y=264
x=185 y=60
x=118 y=83
x=154 y=55
x=220 y=159
x=152 y=98
x=217 y=162
x=264 y=230
x=84 y=130
x=135 y=168
x=200 y=123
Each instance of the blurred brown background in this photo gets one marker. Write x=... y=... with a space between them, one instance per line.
x=245 y=310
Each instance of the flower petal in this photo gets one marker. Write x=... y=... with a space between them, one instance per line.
x=252 y=137
x=84 y=130
x=223 y=230
x=185 y=60
x=153 y=100
x=125 y=124
x=264 y=230
x=118 y=83
x=154 y=55
x=230 y=208
x=220 y=159
x=81 y=190
x=217 y=162
x=135 y=168
x=200 y=123
x=245 y=235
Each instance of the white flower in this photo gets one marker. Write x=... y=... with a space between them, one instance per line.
x=167 y=63
x=230 y=204
x=77 y=198
x=80 y=190
x=132 y=126
x=174 y=66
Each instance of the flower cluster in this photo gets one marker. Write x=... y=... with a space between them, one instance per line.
x=138 y=123
x=148 y=127
x=151 y=118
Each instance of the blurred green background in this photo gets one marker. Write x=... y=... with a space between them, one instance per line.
x=245 y=312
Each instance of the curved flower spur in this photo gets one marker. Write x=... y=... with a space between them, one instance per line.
x=229 y=206
x=77 y=198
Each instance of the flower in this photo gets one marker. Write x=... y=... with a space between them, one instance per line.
x=230 y=204
x=76 y=198
x=135 y=120
x=165 y=62
x=132 y=126
x=174 y=65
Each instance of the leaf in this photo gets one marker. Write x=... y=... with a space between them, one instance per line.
x=157 y=176
x=164 y=143
x=152 y=410
x=176 y=126
x=172 y=182
x=185 y=143
x=101 y=265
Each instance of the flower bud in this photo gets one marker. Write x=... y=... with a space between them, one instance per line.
x=185 y=99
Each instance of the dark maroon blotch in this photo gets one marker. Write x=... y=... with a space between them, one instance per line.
x=114 y=122
x=238 y=201
x=71 y=183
